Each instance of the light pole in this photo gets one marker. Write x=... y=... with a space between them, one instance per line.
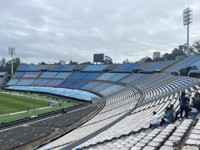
x=34 y=95
x=11 y=51
x=187 y=20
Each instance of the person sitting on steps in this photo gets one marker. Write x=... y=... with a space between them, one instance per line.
x=154 y=120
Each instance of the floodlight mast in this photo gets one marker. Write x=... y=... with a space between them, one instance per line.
x=187 y=20
x=11 y=51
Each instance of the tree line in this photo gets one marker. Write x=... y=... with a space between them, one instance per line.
x=180 y=50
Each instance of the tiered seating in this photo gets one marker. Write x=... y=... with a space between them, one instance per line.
x=28 y=68
x=185 y=63
x=150 y=81
x=134 y=78
x=40 y=82
x=95 y=67
x=106 y=76
x=112 y=76
x=118 y=77
x=166 y=85
x=62 y=75
x=77 y=75
x=79 y=84
x=132 y=124
x=197 y=64
x=179 y=133
x=54 y=83
x=13 y=82
x=48 y=74
x=101 y=86
x=91 y=76
x=111 y=89
x=126 y=67
x=31 y=75
x=19 y=75
x=19 y=136
x=91 y=85
x=194 y=138
x=63 y=67
x=25 y=82
x=60 y=121
x=156 y=66
x=115 y=107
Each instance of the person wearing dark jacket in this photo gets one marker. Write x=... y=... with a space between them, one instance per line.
x=184 y=104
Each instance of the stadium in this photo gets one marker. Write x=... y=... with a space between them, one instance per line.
x=99 y=106
x=123 y=99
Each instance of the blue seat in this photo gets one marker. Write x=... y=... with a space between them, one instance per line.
x=155 y=126
x=167 y=122
x=194 y=113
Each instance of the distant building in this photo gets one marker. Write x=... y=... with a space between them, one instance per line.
x=126 y=61
x=156 y=55
x=3 y=62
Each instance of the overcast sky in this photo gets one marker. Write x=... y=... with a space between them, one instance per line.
x=51 y=30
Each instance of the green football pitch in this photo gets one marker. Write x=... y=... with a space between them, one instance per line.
x=15 y=106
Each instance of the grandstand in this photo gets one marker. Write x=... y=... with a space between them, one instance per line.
x=127 y=95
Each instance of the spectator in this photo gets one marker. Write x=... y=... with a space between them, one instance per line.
x=168 y=117
x=173 y=112
x=154 y=120
x=184 y=104
x=195 y=105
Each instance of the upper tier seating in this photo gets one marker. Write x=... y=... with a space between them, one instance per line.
x=95 y=67
x=77 y=75
x=126 y=67
x=40 y=82
x=91 y=76
x=19 y=75
x=134 y=78
x=48 y=74
x=28 y=68
x=112 y=76
x=118 y=77
x=63 y=67
x=106 y=76
x=62 y=75
x=31 y=74
x=191 y=61
x=150 y=81
x=156 y=66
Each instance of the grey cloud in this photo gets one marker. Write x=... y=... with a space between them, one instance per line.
x=48 y=30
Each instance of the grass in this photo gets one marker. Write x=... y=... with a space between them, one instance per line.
x=13 y=104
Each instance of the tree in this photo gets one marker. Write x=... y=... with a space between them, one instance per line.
x=7 y=68
x=148 y=60
x=196 y=47
x=42 y=63
x=73 y=63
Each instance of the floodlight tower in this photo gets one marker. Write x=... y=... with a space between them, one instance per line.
x=187 y=20
x=11 y=51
